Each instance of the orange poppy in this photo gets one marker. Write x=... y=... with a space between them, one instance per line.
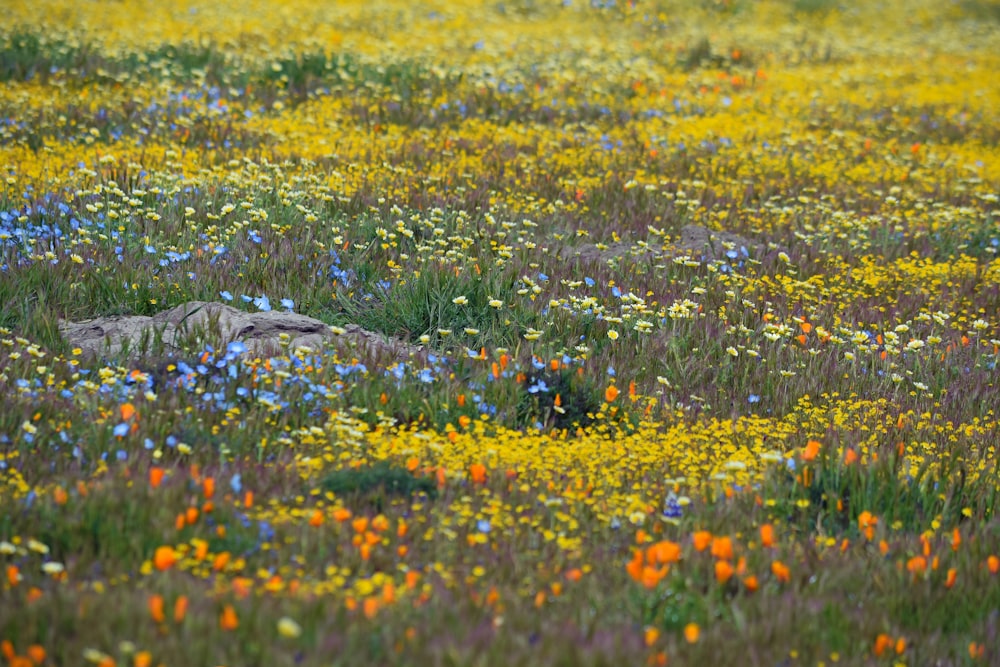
x=767 y=536
x=811 y=451
x=164 y=558
x=156 y=608
x=701 y=539
x=723 y=571
x=228 y=620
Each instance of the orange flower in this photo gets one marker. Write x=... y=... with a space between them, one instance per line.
x=191 y=515
x=993 y=564
x=180 y=609
x=811 y=451
x=156 y=608
x=650 y=635
x=242 y=587
x=370 y=607
x=866 y=524
x=781 y=572
x=13 y=575
x=850 y=456
x=228 y=620
x=651 y=576
x=882 y=642
x=478 y=472
x=952 y=576
x=722 y=548
x=360 y=525
x=37 y=653
x=701 y=539
x=127 y=411
x=60 y=496
x=380 y=523
x=751 y=583
x=611 y=393
x=916 y=565
x=142 y=659
x=664 y=552
x=574 y=574
x=316 y=518
x=164 y=558
x=155 y=477
x=634 y=566
x=340 y=515
x=208 y=487
x=723 y=571
x=767 y=536
x=220 y=561
x=956 y=539
x=691 y=632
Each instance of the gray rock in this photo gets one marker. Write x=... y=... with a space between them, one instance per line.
x=179 y=329
x=695 y=240
x=702 y=242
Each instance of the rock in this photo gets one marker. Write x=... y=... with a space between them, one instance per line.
x=702 y=242
x=695 y=240
x=174 y=330
x=591 y=252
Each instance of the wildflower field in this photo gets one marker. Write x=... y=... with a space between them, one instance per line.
x=689 y=321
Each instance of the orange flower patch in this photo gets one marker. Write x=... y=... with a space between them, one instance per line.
x=164 y=558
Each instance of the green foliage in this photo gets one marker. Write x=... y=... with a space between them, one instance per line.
x=375 y=485
x=425 y=306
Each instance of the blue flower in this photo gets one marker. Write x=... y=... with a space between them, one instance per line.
x=262 y=303
x=235 y=348
x=540 y=386
x=121 y=430
x=287 y=304
x=226 y=295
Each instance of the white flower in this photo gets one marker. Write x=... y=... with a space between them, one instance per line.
x=52 y=567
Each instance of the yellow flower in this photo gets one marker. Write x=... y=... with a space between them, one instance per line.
x=288 y=628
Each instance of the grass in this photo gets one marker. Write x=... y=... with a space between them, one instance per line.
x=588 y=441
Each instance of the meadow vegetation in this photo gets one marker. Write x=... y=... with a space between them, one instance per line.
x=612 y=447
